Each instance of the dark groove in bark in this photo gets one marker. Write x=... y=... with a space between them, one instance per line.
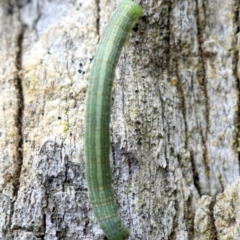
x=183 y=105
x=235 y=70
x=213 y=230
x=200 y=28
x=98 y=17
x=10 y=10
x=168 y=56
x=195 y=175
x=20 y=96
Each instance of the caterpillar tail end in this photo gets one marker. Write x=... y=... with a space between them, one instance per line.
x=121 y=235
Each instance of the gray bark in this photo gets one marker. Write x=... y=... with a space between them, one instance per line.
x=174 y=129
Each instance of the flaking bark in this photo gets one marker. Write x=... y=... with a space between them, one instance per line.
x=174 y=122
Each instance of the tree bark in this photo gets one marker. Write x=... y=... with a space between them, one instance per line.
x=174 y=124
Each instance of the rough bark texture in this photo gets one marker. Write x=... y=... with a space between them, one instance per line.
x=175 y=131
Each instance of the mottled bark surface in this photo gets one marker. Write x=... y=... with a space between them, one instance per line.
x=174 y=129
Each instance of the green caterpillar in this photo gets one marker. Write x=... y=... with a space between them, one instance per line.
x=97 y=119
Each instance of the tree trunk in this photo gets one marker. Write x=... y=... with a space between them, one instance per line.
x=174 y=125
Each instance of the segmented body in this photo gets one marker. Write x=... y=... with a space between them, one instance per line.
x=98 y=106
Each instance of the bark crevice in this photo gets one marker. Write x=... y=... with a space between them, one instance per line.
x=20 y=96
x=200 y=16
x=98 y=17
x=235 y=68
